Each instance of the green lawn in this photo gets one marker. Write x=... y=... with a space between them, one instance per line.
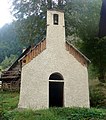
x=9 y=101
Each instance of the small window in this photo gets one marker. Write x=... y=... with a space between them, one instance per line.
x=55 y=18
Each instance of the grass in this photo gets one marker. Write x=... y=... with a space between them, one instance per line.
x=9 y=101
x=57 y=114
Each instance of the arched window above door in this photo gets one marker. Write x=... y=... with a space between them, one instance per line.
x=56 y=76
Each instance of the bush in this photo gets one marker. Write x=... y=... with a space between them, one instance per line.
x=98 y=95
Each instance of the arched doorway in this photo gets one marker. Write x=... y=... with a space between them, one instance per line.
x=56 y=86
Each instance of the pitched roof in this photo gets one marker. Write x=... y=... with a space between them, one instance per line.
x=29 y=50
x=33 y=52
x=16 y=62
x=79 y=52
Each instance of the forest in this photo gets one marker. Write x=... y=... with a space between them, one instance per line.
x=29 y=27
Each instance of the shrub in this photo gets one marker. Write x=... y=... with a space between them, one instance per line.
x=98 y=96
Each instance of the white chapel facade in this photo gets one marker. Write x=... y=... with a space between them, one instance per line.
x=54 y=72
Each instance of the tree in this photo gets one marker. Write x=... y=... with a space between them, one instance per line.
x=31 y=17
x=50 y=4
x=29 y=30
x=31 y=22
x=9 y=42
x=83 y=21
x=81 y=18
x=61 y=4
x=98 y=50
x=8 y=61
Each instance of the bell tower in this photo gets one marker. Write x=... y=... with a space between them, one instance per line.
x=55 y=35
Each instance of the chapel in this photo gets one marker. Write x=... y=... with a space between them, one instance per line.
x=54 y=72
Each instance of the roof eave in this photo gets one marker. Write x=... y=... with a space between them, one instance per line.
x=88 y=61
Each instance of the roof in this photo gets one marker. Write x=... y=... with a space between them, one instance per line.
x=10 y=74
x=31 y=49
x=22 y=55
x=14 y=64
x=28 y=49
x=79 y=52
x=54 y=9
